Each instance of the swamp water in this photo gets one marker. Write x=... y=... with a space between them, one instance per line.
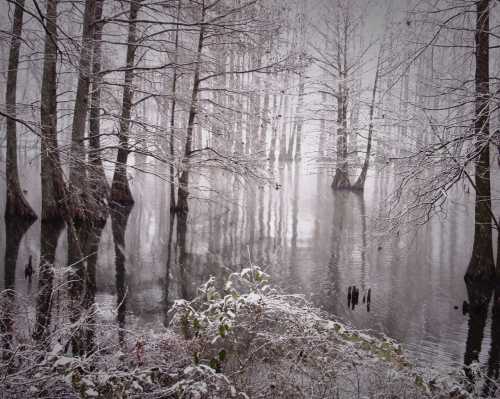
x=311 y=240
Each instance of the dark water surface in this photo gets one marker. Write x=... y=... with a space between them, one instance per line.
x=311 y=240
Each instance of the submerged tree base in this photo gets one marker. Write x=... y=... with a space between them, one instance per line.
x=341 y=181
x=121 y=194
x=481 y=268
x=120 y=189
x=17 y=207
x=53 y=213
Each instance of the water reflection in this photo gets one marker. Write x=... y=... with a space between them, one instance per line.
x=49 y=236
x=168 y=267
x=83 y=245
x=493 y=380
x=16 y=231
x=479 y=298
x=311 y=240
x=477 y=307
x=88 y=302
x=182 y=257
x=78 y=235
x=119 y=219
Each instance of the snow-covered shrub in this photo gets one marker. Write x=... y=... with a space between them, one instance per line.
x=240 y=338
x=272 y=345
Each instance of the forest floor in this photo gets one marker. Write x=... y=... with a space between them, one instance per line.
x=237 y=339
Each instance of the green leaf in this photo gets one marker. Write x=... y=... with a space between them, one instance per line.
x=222 y=330
x=196 y=324
x=214 y=363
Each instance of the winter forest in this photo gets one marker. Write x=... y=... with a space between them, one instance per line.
x=249 y=199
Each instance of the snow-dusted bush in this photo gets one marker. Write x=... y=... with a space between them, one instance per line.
x=240 y=338
x=271 y=345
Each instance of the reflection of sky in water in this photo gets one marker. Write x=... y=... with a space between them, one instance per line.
x=311 y=240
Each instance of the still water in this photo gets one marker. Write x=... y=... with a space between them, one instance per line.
x=311 y=240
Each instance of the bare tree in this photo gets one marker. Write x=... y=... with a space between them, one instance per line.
x=99 y=187
x=172 y=111
x=120 y=189
x=16 y=205
x=182 y=195
x=481 y=266
x=360 y=182
x=81 y=205
x=54 y=192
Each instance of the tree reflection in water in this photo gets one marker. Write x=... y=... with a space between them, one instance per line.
x=16 y=230
x=492 y=380
x=479 y=299
x=119 y=219
x=49 y=236
x=83 y=245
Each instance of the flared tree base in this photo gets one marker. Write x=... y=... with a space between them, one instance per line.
x=481 y=267
x=120 y=191
x=341 y=181
x=18 y=208
x=181 y=207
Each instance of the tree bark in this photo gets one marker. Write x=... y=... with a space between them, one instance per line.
x=284 y=127
x=265 y=119
x=120 y=189
x=481 y=266
x=300 y=117
x=322 y=142
x=341 y=179
x=182 y=193
x=359 y=185
x=54 y=192
x=172 y=114
x=16 y=205
x=99 y=187
x=81 y=206
x=275 y=125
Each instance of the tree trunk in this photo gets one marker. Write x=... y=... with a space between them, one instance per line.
x=300 y=118
x=498 y=252
x=120 y=189
x=481 y=266
x=16 y=205
x=81 y=207
x=359 y=185
x=322 y=142
x=275 y=125
x=341 y=179
x=282 y=154
x=172 y=114
x=182 y=193
x=99 y=187
x=54 y=193
x=265 y=120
